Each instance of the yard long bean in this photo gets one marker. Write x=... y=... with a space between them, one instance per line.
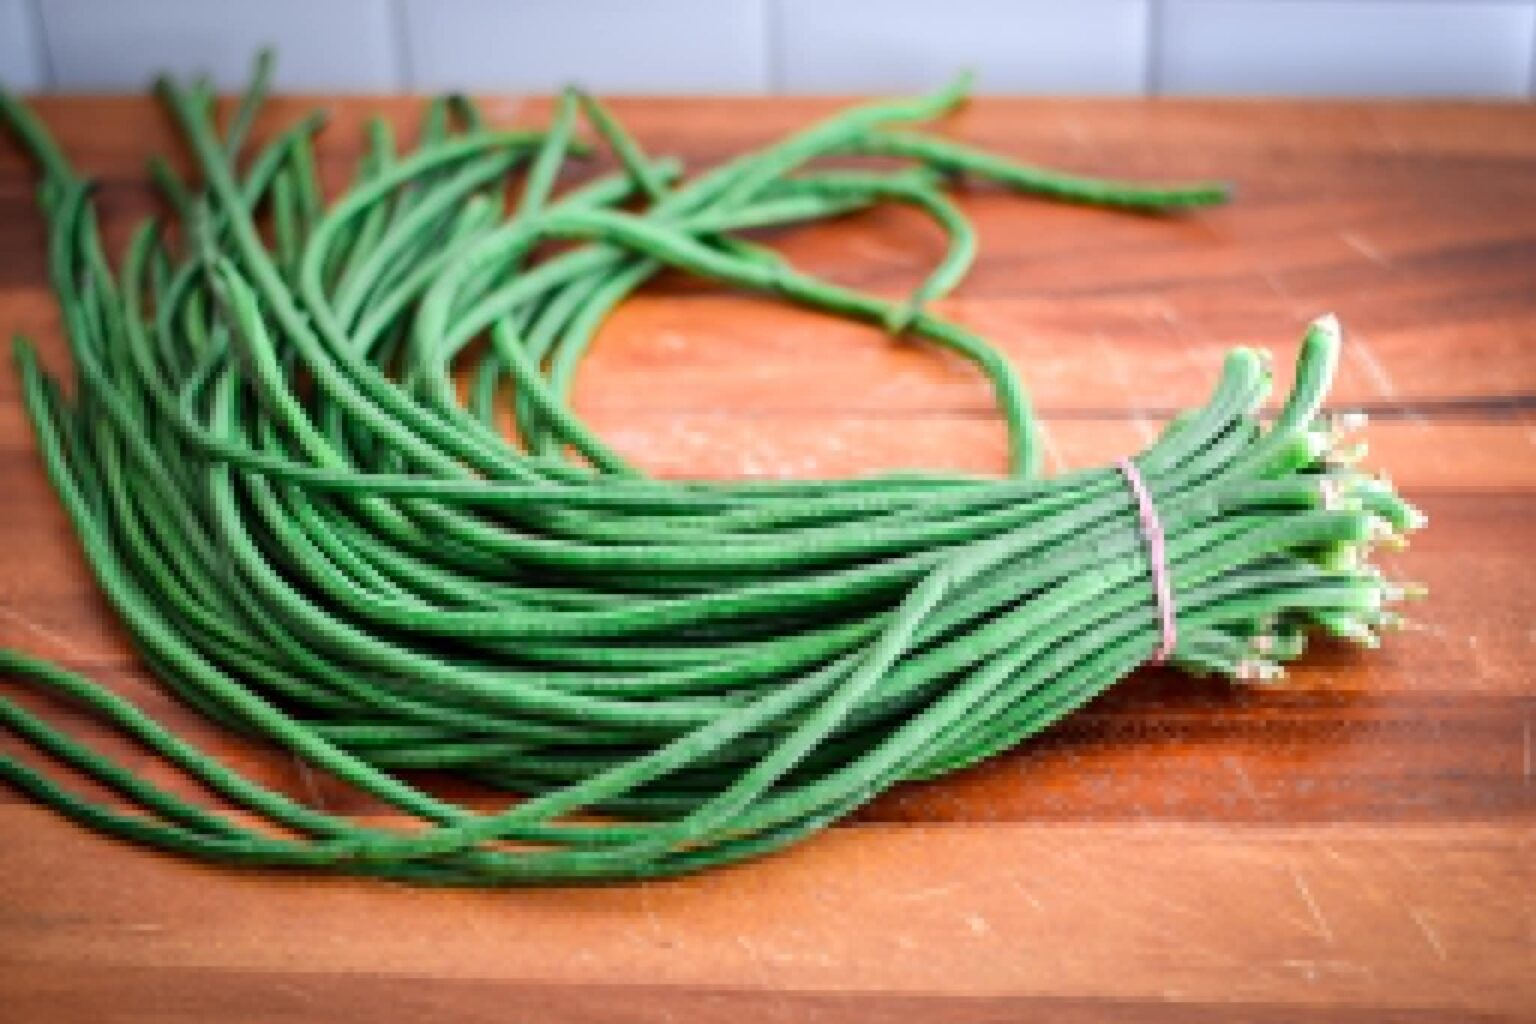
x=314 y=537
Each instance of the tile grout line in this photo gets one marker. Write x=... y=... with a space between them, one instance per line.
x=1152 y=76
x=773 y=25
x=399 y=23
x=1532 y=69
x=48 y=80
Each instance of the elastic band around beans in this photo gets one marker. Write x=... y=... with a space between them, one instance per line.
x=1152 y=531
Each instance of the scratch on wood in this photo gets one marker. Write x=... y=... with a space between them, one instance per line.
x=1361 y=352
x=1430 y=935
x=1026 y=895
x=765 y=977
x=1527 y=751
x=1363 y=355
x=1364 y=879
x=933 y=892
x=1052 y=453
x=298 y=991
x=1192 y=354
x=503 y=108
x=1317 y=912
x=1074 y=129
x=43 y=631
x=651 y=921
x=1244 y=781
x=316 y=797
x=1114 y=358
x=1386 y=135
x=1474 y=648
x=879 y=251
x=1314 y=969
x=1180 y=937
x=1190 y=351
x=1278 y=287
x=1364 y=248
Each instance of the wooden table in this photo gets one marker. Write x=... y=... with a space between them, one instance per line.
x=1353 y=845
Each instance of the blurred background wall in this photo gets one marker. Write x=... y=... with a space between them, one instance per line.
x=1482 y=48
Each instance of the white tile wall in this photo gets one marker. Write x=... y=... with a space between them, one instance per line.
x=1278 y=47
x=329 y=45
x=21 y=58
x=1086 y=46
x=1353 y=47
x=607 y=45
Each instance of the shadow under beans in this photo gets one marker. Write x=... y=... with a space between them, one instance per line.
x=1165 y=747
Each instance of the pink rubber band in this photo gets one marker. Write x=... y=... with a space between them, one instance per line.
x=1152 y=531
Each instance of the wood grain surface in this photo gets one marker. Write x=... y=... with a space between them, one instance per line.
x=1354 y=845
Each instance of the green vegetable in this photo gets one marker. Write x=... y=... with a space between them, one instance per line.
x=314 y=541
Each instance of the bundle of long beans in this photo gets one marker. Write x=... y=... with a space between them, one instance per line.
x=314 y=540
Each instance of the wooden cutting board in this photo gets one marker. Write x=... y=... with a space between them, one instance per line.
x=1355 y=844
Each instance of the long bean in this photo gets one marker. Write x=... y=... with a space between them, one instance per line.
x=317 y=536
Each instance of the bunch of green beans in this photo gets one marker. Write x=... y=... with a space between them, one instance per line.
x=316 y=539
